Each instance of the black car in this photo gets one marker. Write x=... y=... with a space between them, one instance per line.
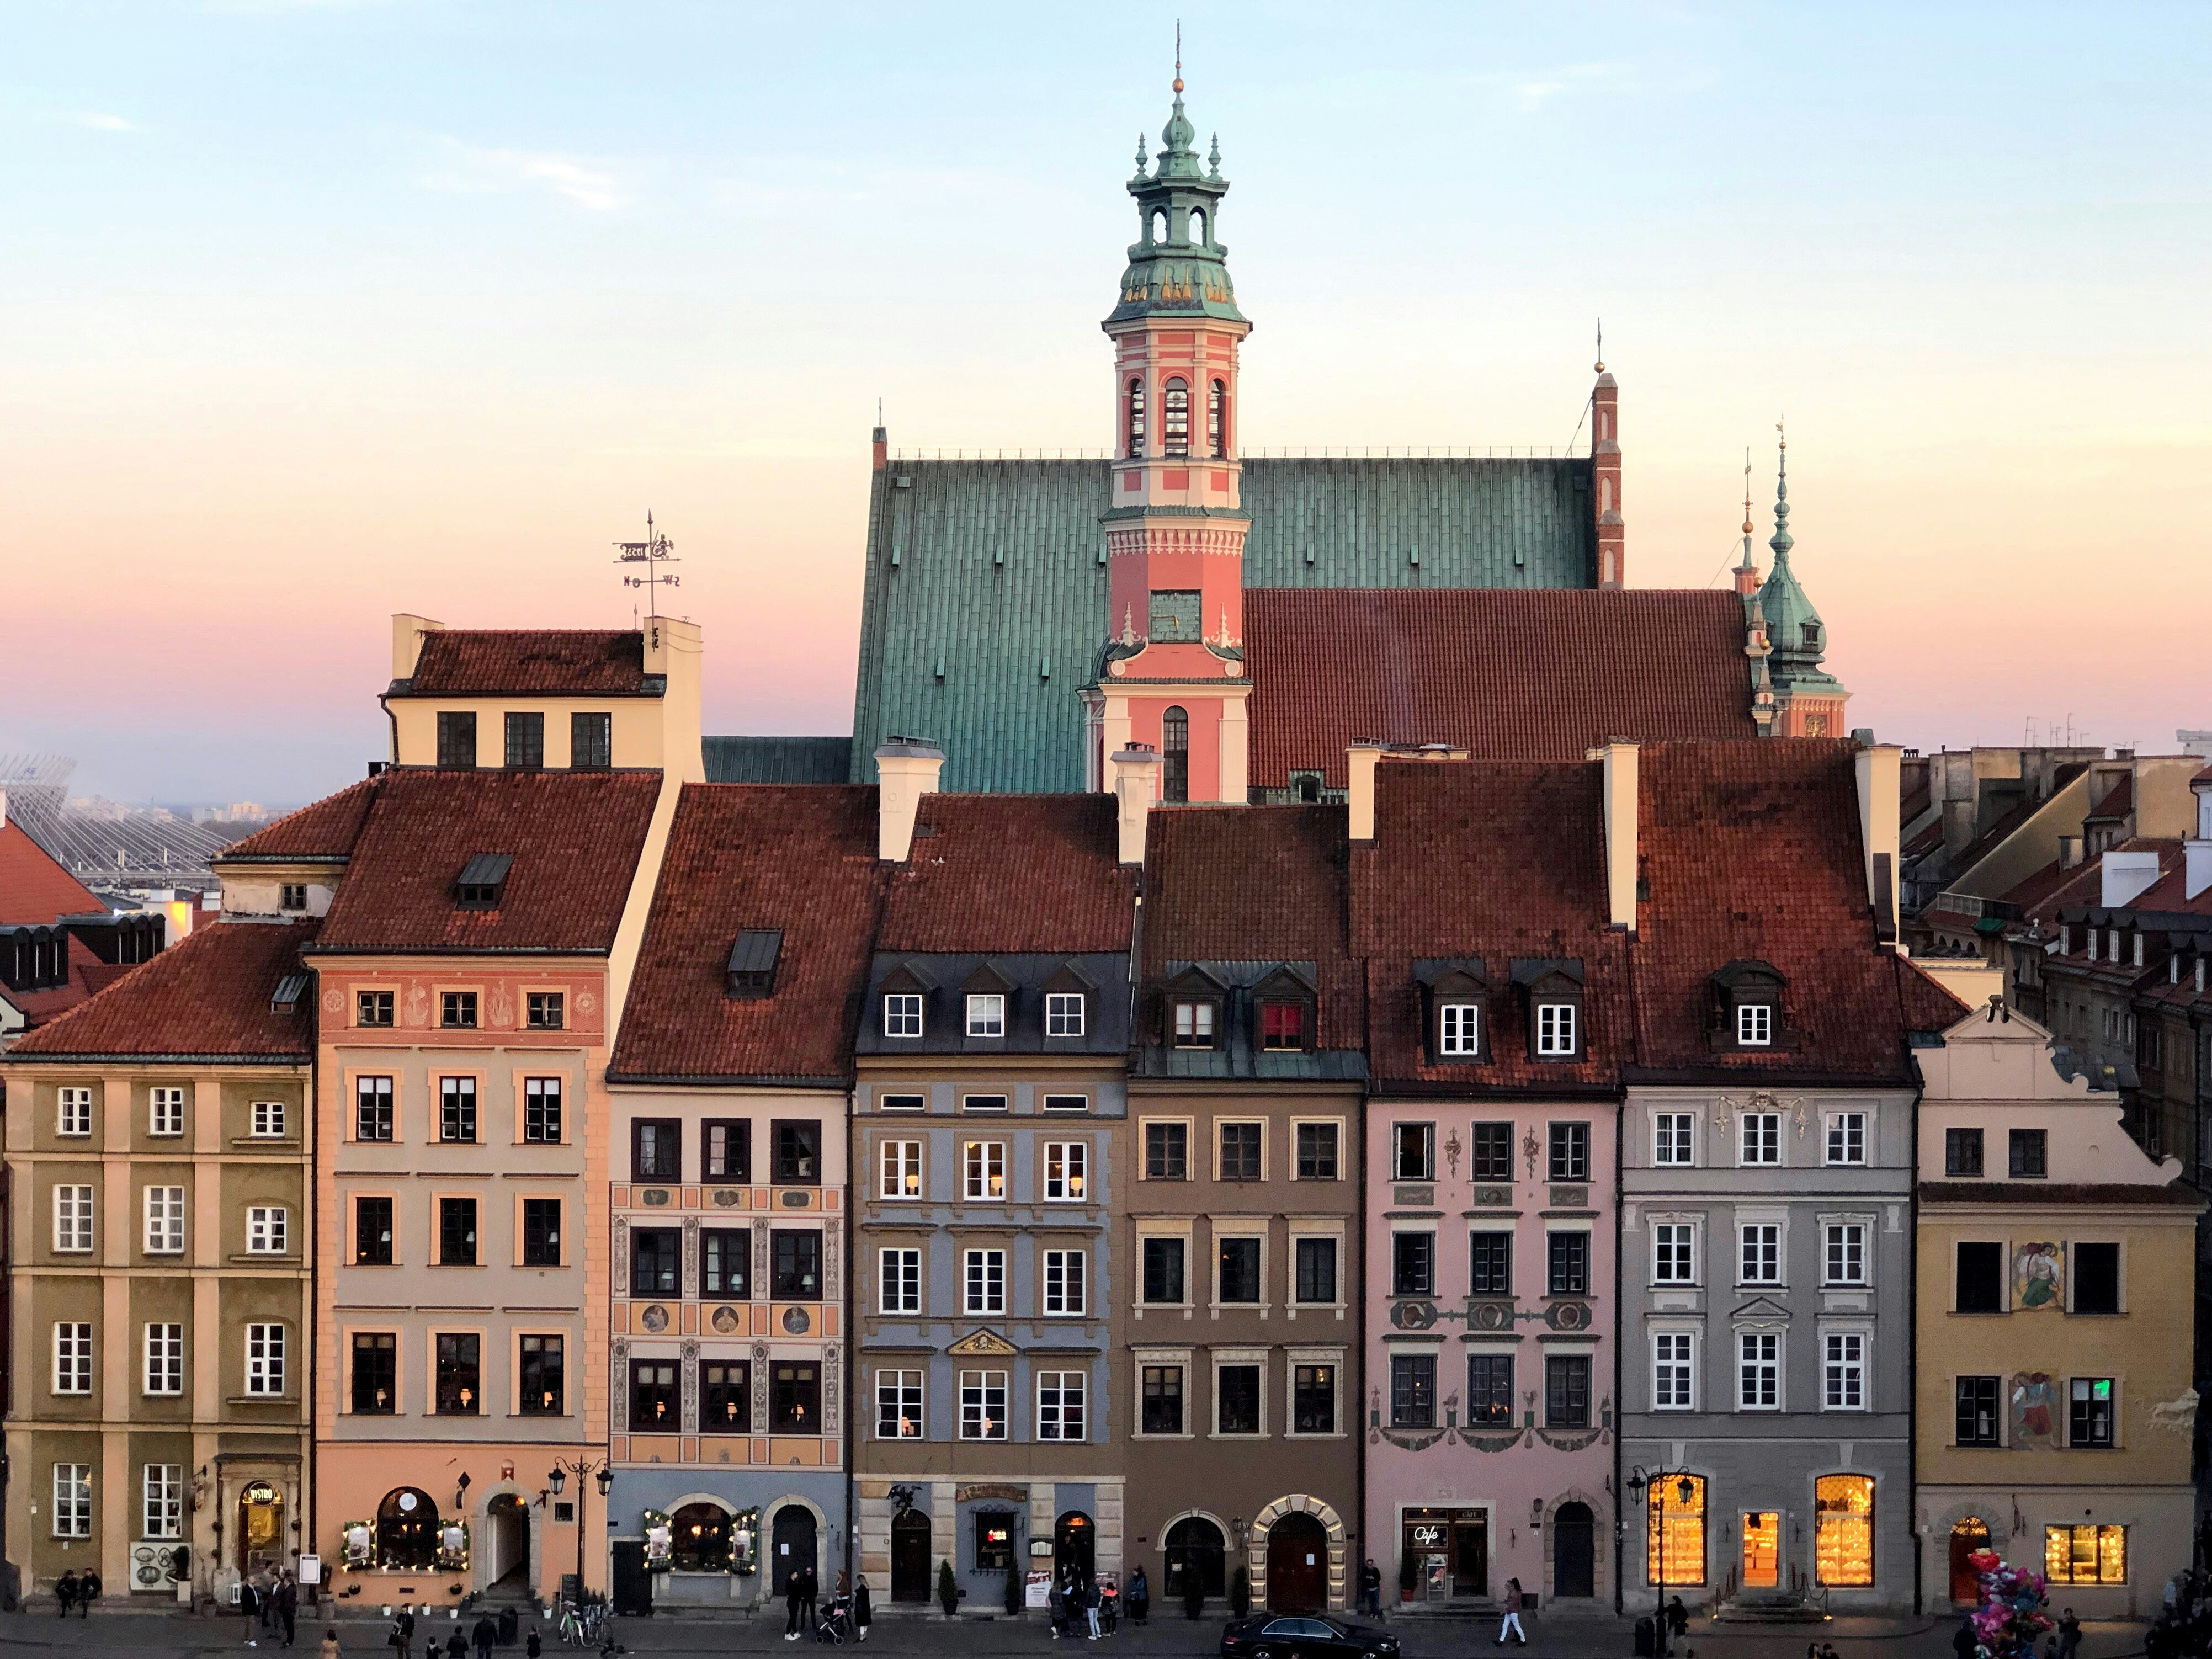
x=1304 y=1636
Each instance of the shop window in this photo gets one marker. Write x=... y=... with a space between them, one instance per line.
x=1674 y=1535
x=2086 y=1555
x=1843 y=1542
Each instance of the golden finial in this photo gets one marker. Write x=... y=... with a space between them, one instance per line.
x=1746 y=490
x=1600 y=368
x=1781 y=439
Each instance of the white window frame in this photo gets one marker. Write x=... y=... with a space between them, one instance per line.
x=1853 y=1236
x=1065 y=1283
x=1759 y=1132
x=898 y=1280
x=899 y=1389
x=898 y=1171
x=164 y=1113
x=981 y=1162
x=1768 y=1243
x=1755 y=1363
x=1064 y=1014
x=1193 y=1025
x=1843 y=1368
x=987 y=1013
x=265 y=1352
x=268 y=1230
x=903 y=1014
x=164 y=1355
x=983 y=1281
x=1555 y=1030
x=268 y=1117
x=1459 y=1028
x=1066 y=1165
x=164 y=1220
x=73 y=1220
x=976 y=1399
x=72 y=1356
x=1837 y=1135
x=1754 y=1025
x=72 y=1506
x=1674 y=1139
x=1072 y=1390
x=1673 y=1371
x=73 y=1116
x=162 y=1501
x=1673 y=1253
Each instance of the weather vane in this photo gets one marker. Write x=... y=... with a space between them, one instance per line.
x=655 y=550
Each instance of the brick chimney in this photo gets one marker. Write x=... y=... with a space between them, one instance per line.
x=907 y=768
x=1604 y=478
x=1136 y=781
x=883 y=441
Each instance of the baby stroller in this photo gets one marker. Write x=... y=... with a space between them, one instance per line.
x=833 y=1621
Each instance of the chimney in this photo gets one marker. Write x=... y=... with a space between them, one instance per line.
x=1136 y=774
x=907 y=768
x=2195 y=857
x=2125 y=875
x=1621 y=802
x=1604 y=478
x=883 y=441
x=3 y=809
x=1958 y=824
x=2070 y=852
x=407 y=632
x=1880 y=771
x=1359 y=767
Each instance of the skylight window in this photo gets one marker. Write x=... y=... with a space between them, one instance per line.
x=753 y=962
x=482 y=882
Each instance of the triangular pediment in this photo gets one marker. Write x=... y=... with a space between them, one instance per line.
x=983 y=1345
x=1761 y=1307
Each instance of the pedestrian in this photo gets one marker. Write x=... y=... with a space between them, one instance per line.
x=486 y=1636
x=1141 y=1596
x=1964 y=1643
x=66 y=1592
x=2070 y=1633
x=1371 y=1588
x=535 y=1647
x=329 y=1650
x=456 y=1645
x=1090 y=1607
x=1677 y=1621
x=793 y=1600
x=402 y=1631
x=249 y=1607
x=1055 y=1606
x=864 y=1611
x=87 y=1592
x=287 y=1605
x=1512 y=1620
x=810 y=1588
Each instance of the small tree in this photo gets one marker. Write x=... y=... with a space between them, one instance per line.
x=948 y=1589
x=1240 y=1592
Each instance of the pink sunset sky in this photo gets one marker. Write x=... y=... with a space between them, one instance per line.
x=315 y=313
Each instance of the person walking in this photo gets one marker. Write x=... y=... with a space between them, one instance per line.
x=2069 y=1634
x=287 y=1605
x=1055 y=1606
x=1371 y=1588
x=485 y=1636
x=1141 y=1597
x=1512 y=1620
x=66 y=1593
x=249 y=1605
x=535 y=1647
x=403 y=1632
x=330 y=1648
x=864 y=1611
x=1090 y=1605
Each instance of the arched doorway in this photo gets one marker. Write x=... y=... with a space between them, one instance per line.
x=1967 y=1537
x=1297 y=1565
x=791 y=1547
x=1574 y=1550
x=909 y=1556
x=507 y=1543
x=260 y=1529
x=699 y=1538
x=1074 y=1541
x=1194 y=1546
x=407 y=1530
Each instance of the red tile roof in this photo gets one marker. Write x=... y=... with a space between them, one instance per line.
x=1752 y=851
x=484 y=662
x=324 y=829
x=1507 y=674
x=2052 y=885
x=205 y=998
x=574 y=838
x=2119 y=800
x=1007 y=873
x=1928 y=1004
x=797 y=858
x=34 y=889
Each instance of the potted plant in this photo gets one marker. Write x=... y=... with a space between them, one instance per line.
x=948 y=1589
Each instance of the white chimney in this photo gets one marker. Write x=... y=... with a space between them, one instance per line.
x=2196 y=862
x=1620 y=801
x=1359 y=797
x=1879 y=784
x=2125 y=875
x=1135 y=775
x=407 y=632
x=906 y=770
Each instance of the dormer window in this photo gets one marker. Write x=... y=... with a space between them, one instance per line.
x=1553 y=987
x=286 y=997
x=1452 y=995
x=1282 y=1025
x=1748 y=1012
x=482 y=882
x=1063 y=1014
x=1812 y=636
x=1285 y=1004
x=1754 y=1025
x=1556 y=1030
x=753 y=962
x=903 y=1014
x=1459 y=1028
x=987 y=1014
x=1193 y=1025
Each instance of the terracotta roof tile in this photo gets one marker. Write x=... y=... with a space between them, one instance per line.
x=34 y=889
x=2119 y=800
x=574 y=838
x=800 y=860
x=1507 y=674
x=325 y=829
x=993 y=873
x=206 y=997
x=476 y=661
x=1928 y=1004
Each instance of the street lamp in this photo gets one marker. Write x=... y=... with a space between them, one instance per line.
x=1686 y=1489
x=558 y=1481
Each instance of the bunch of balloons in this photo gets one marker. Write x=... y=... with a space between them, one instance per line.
x=2010 y=1616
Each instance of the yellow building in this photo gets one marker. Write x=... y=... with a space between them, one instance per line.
x=2056 y=1290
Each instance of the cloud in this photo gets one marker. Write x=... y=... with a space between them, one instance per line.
x=1530 y=90
x=99 y=121
x=473 y=171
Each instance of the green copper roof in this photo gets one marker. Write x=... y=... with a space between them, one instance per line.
x=777 y=760
x=986 y=597
x=1799 y=637
x=1177 y=265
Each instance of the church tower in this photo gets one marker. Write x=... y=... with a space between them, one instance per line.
x=1808 y=702
x=1171 y=672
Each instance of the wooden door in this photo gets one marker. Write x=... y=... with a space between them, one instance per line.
x=910 y=1556
x=1298 y=1565
x=1967 y=1537
x=1574 y=1551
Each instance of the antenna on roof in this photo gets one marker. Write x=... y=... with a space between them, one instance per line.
x=655 y=550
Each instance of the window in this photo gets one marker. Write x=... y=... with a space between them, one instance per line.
x=375 y=1373
x=1570 y=1263
x=1060 y=1406
x=1843 y=1535
x=1067 y=1103
x=798 y=1154
x=1459 y=1030
x=265 y=1360
x=1063 y=1014
x=898 y=1281
x=292 y=896
x=898 y=1170
x=372 y=1232
x=794 y=1398
x=1413 y=1390
x=457 y=1232
x=73 y=1112
x=2026 y=1157
x=1759 y=1246
x=1415 y=1146
x=1673 y=1253
x=591 y=741
x=725 y=1264
x=2071 y=1555
x=162 y=1511
x=1670 y=1137
x=994 y=1538
x=1976 y=1398
x=984 y=1281
x=72 y=1500
x=525 y=740
x=372 y=1008
x=165 y=1358
x=656 y=1149
x=2089 y=1411
x=72 y=1220
x=164 y=1220
x=545 y=1011
x=1065 y=1164
x=1962 y=1151
x=1759 y=1371
x=725 y=1150
x=795 y=1265
x=541 y=1232
x=983 y=1170
x=2096 y=1279
x=1162 y=1410
x=982 y=1102
x=1567 y=1391
x=457 y=737
x=1239 y=1273
x=986 y=1015
x=1136 y=424
x=983 y=1405
x=1847 y=1137
x=1672 y=1372
x=1317 y=1154
x=165 y=1112
x=1175 y=421
x=457 y=1109
x=1237 y=1392
x=1570 y=1151
x=1493 y=1152
x=268 y=1120
x=372 y=1108
x=1065 y=1282
x=1194 y=1025
x=1412 y=1264
x=1844 y=1258
x=1167 y=1151
x=1490 y=1263
x=72 y=1358
x=543 y=1390
x=1240 y=1152
x=1761 y=1137
x=1844 y=1371
x=1313 y=1399
x=1490 y=1389
x=1217 y=394
x=1282 y=1025
x=457 y=1010
x=1164 y=1271
x=1980 y=1280
x=898 y=1405
x=653 y=1405
x=266 y=1230
x=903 y=1014
x=1555 y=1030
x=1315 y=1270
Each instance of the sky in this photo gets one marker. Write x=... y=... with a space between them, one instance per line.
x=315 y=311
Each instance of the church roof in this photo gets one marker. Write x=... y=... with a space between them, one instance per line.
x=986 y=597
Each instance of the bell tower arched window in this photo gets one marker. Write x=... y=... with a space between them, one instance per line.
x=1217 y=418
x=1175 y=755
x=1198 y=226
x=1174 y=421
x=1136 y=419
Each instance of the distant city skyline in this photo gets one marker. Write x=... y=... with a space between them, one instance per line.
x=315 y=312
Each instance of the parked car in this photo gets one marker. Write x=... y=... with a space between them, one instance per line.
x=1304 y=1636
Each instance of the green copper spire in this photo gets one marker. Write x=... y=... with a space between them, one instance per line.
x=1800 y=638
x=1177 y=266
